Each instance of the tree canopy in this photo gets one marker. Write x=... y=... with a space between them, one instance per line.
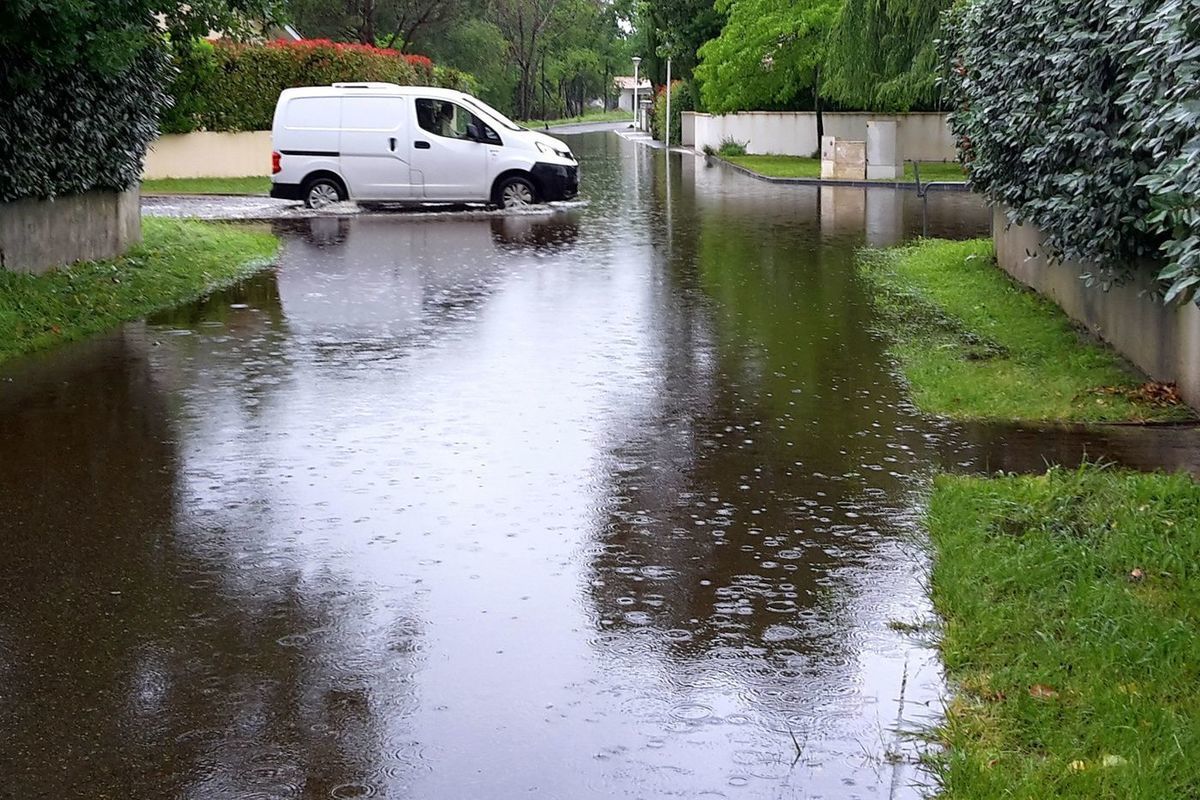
x=769 y=54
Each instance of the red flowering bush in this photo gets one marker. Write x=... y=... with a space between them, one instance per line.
x=233 y=87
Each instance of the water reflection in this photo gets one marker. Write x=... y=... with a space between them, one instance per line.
x=614 y=502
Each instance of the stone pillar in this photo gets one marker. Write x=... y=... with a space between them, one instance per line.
x=39 y=235
x=884 y=161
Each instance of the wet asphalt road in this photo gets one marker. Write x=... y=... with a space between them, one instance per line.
x=613 y=500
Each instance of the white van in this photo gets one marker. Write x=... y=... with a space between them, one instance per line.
x=380 y=142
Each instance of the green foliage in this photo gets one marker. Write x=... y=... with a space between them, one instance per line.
x=234 y=87
x=179 y=261
x=682 y=95
x=82 y=87
x=883 y=55
x=768 y=56
x=1084 y=119
x=1072 y=620
x=677 y=28
x=975 y=345
x=732 y=148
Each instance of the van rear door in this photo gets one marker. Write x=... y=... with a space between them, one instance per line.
x=375 y=147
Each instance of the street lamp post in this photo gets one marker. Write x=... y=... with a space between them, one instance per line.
x=637 y=62
x=667 y=121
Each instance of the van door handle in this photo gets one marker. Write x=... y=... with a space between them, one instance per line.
x=421 y=145
x=392 y=144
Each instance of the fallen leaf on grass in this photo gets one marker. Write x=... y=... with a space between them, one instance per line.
x=1077 y=766
x=1151 y=393
x=1137 y=575
x=1114 y=761
x=1042 y=691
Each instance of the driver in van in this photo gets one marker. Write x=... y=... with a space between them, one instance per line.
x=445 y=121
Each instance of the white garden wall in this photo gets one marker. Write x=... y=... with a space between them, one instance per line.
x=921 y=136
x=209 y=155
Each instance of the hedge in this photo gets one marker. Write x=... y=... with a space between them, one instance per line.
x=1083 y=118
x=77 y=119
x=233 y=87
x=682 y=99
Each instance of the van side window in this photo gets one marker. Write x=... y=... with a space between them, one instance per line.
x=444 y=118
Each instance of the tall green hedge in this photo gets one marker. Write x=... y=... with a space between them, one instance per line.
x=682 y=99
x=1083 y=117
x=233 y=87
x=77 y=111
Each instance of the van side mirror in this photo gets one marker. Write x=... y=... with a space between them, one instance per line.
x=473 y=132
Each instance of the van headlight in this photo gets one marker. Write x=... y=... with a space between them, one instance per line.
x=545 y=148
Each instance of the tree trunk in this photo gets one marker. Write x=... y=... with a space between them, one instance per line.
x=817 y=103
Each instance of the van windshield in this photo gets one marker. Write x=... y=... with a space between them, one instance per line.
x=493 y=113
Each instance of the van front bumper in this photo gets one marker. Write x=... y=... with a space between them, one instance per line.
x=286 y=191
x=556 y=181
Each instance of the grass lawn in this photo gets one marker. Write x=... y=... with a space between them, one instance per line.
x=1072 y=635
x=591 y=116
x=249 y=185
x=801 y=167
x=975 y=345
x=179 y=261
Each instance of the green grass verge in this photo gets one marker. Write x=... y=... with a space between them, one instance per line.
x=1072 y=635
x=179 y=261
x=253 y=184
x=801 y=167
x=591 y=116
x=975 y=345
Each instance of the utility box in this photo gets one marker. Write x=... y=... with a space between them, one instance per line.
x=884 y=161
x=843 y=160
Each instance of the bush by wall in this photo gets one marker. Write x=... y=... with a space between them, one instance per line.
x=682 y=99
x=1083 y=118
x=78 y=119
x=233 y=87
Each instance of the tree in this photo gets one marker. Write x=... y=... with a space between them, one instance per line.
x=401 y=24
x=522 y=22
x=883 y=54
x=688 y=24
x=82 y=82
x=769 y=55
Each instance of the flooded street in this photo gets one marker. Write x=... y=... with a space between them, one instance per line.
x=615 y=501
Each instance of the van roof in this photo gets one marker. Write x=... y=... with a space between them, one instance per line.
x=371 y=87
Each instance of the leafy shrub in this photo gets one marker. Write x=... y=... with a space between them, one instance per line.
x=682 y=99
x=1083 y=118
x=732 y=147
x=234 y=87
x=72 y=129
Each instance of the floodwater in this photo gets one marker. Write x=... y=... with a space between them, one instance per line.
x=611 y=502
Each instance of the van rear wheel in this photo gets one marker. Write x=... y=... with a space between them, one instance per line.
x=321 y=192
x=516 y=192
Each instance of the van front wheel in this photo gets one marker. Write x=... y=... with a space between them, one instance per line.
x=321 y=192
x=516 y=192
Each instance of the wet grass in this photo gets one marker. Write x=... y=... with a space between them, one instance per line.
x=179 y=261
x=975 y=345
x=802 y=167
x=1072 y=635
x=250 y=185
x=591 y=116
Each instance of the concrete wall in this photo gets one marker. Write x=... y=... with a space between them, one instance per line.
x=923 y=136
x=687 y=131
x=209 y=155
x=38 y=235
x=1163 y=341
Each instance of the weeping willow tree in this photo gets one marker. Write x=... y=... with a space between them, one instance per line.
x=882 y=55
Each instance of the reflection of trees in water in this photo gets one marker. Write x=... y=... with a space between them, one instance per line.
x=136 y=664
x=766 y=467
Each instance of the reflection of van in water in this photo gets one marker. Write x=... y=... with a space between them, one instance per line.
x=384 y=143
